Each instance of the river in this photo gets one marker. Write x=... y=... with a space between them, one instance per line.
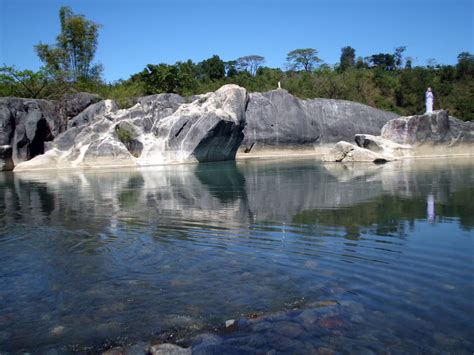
x=305 y=256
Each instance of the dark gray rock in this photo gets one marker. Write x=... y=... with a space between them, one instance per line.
x=437 y=128
x=26 y=125
x=73 y=104
x=277 y=118
x=92 y=112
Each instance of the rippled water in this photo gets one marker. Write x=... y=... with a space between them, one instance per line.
x=324 y=256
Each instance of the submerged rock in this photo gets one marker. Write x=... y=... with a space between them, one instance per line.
x=169 y=349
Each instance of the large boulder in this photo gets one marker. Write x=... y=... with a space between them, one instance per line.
x=207 y=129
x=369 y=148
x=26 y=125
x=73 y=104
x=435 y=128
x=348 y=152
x=278 y=119
x=390 y=150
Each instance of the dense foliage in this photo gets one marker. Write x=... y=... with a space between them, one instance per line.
x=387 y=81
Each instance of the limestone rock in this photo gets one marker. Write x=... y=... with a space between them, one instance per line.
x=347 y=152
x=169 y=349
x=230 y=323
x=90 y=113
x=437 y=127
x=277 y=118
x=382 y=146
x=73 y=104
x=26 y=124
x=207 y=129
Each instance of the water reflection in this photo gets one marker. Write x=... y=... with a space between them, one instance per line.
x=130 y=253
x=430 y=208
x=228 y=193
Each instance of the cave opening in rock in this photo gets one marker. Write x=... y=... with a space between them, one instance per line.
x=42 y=134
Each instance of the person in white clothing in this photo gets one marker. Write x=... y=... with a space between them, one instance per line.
x=429 y=100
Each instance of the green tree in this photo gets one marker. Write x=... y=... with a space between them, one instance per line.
x=23 y=83
x=385 y=61
x=231 y=68
x=465 y=64
x=303 y=59
x=250 y=63
x=212 y=68
x=347 y=58
x=160 y=78
x=72 y=55
x=398 y=56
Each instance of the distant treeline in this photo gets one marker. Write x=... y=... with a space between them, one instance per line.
x=387 y=81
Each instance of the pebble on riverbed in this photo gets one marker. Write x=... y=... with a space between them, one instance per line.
x=58 y=330
x=229 y=323
x=169 y=349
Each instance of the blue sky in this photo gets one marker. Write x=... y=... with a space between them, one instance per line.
x=139 y=32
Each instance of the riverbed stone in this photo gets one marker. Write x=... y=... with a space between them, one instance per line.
x=57 y=330
x=288 y=329
x=169 y=349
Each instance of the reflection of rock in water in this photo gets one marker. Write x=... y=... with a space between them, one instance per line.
x=225 y=181
x=219 y=194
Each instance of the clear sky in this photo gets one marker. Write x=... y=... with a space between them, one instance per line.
x=139 y=32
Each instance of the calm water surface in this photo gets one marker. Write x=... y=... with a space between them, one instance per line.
x=309 y=256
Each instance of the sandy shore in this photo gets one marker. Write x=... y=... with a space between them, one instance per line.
x=424 y=151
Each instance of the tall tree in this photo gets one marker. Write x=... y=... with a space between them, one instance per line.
x=465 y=64
x=72 y=55
x=347 y=58
x=398 y=56
x=250 y=63
x=303 y=59
x=385 y=61
x=212 y=68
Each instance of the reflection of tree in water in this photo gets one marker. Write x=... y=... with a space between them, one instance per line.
x=460 y=205
x=385 y=215
x=129 y=195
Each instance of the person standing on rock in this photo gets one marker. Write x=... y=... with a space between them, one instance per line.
x=429 y=100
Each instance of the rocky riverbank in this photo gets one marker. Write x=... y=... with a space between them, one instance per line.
x=82 y=131
x=322 y=327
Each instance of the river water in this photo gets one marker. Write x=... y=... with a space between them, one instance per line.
x=305 y=256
